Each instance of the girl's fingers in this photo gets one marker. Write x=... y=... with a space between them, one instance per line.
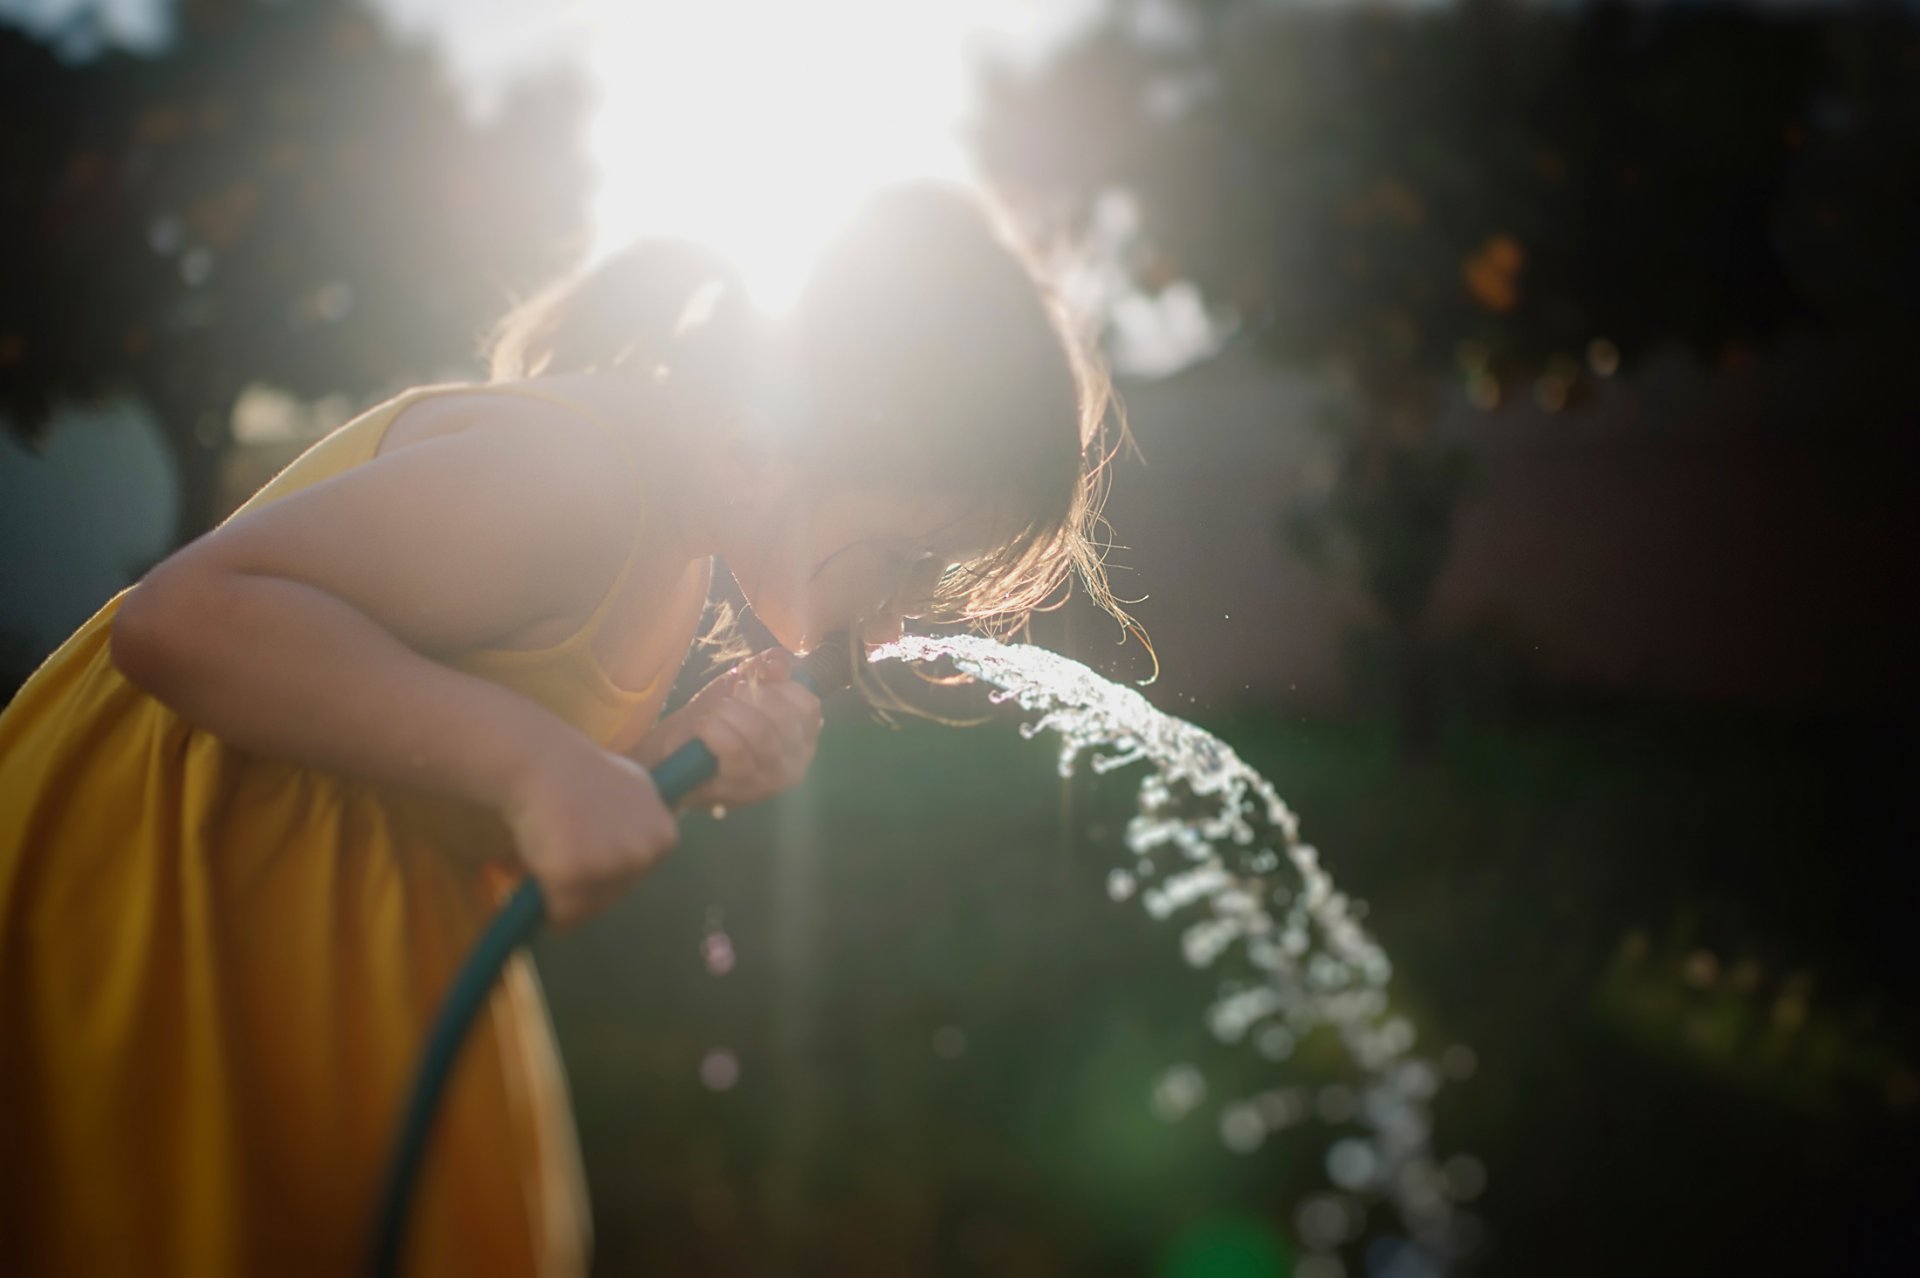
x=762 y=727
x=791 y=709
x=730 y=743
x=752 y=735
x=771 y=666
x=804 y=705
x=789 y=699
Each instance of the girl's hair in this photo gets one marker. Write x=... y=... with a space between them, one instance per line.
x=925 y=348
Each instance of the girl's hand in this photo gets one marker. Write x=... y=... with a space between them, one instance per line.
x=588 y=824
x=759 y=723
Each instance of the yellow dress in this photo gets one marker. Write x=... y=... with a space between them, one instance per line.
x=217 y=968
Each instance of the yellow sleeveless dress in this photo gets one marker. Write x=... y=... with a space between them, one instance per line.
x=217 y=968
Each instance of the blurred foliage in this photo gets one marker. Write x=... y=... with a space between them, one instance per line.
x=1756 y=1031
x=284 y=193
x=949 y=1037
x=1486 y=199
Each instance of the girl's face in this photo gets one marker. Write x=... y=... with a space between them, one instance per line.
x=852 y=557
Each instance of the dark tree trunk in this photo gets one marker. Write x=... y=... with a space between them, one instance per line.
x=1416 y=701
x=194 y=402
x=198 y=436
x=197 y=469
x=1405 y=487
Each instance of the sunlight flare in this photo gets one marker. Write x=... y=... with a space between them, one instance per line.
x=755 y=125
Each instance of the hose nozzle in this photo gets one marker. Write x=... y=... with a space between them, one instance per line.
x=829 y=667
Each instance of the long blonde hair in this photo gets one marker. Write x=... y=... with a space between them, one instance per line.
x=932 y=352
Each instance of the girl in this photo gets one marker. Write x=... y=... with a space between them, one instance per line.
x=254 y=812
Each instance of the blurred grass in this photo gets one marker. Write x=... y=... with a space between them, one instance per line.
x=1546 y=889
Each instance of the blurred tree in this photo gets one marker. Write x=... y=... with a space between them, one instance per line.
x=1489 y=198
x=285 y=193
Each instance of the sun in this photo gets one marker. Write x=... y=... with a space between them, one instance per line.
x=755 y=125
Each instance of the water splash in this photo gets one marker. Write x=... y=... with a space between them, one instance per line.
x=1212 y=842
x=716 y=947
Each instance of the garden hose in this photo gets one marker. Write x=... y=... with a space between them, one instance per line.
x=826 y=669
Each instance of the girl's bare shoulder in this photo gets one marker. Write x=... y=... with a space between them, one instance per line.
x=438 y=412
x=488 y=516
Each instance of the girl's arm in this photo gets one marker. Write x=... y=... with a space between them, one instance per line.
x=301 y=629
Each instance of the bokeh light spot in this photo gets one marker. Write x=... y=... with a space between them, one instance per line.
x=719 y=1070
x=1178 y=1091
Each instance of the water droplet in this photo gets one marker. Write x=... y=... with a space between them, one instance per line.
x=196 y=266
x=1206 y=941
x=333 y=301
x=164 y=235
x=1321 y=1221
x=1281 y=1108
x=1459 y=1061
x=1179 y=1090
x=1465 y=1177
x=1337 y=1103
x=1241 y=1129
x=717 y=952
x=1274 y=1043
x=1417 y=1079
x=1351 y=1164
x=719 y=1070
x=1398 y=1258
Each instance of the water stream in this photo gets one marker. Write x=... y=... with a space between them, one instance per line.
x=1213 y=849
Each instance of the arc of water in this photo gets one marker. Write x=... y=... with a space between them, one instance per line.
x=1230 y=837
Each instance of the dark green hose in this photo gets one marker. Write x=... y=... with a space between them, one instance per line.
x=676 y=776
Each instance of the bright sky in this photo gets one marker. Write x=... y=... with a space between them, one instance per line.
x=753 y=125
x=750 y=124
